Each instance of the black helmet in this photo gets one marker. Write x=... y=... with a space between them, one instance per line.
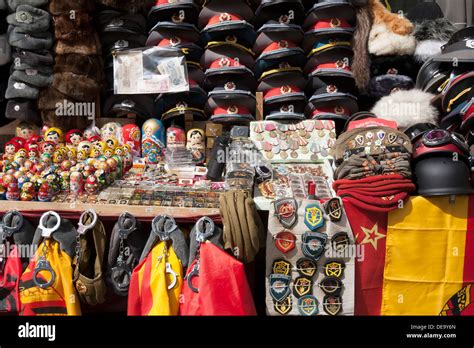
x=440 y=175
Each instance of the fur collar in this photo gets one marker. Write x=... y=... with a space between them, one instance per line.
x=407 y=108
x=384 y=42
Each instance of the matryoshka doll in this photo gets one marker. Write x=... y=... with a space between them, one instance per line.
x=59 y=156
x=64 y=178
x=153 y=141
x=131 y=136
x=10 y=150
x=127 y=158
x=45 y=194
x=111 y=143
x=74 y=137
x=20 y=157
x=48 y=147
x=33 y=155
x=175 y=137
x=28 y=192
x=13 y=191
x=54 y=135
x=71 y=154
x=91 y=132
x=82 y=155
x=196 y=144
x=26 y=130
x=76 y=183
x=111 y=130
x=92 y=186
x=85 y=146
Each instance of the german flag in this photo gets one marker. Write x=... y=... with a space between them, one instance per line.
x=60 y=298
x=149 y=294
x=429 y=261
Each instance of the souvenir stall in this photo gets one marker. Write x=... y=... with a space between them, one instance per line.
x=281 y=158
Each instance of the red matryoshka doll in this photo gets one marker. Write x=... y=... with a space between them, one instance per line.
x=153 y=141
x=48 y=147
x=45 y=193
x=131 y=136
x=197 y=145
x=13 y=191
x=74 y=137
x=92 y=185
x=175 y=137
x=10 y=150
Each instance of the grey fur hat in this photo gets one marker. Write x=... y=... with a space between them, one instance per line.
x=13 y=4
x=33 y=77
x=30 y=19
x=32 y=59
x=29 y=41
x=18 y=89
x=22 y=109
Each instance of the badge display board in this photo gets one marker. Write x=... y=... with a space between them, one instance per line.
x=306 y=141
x=299 y=292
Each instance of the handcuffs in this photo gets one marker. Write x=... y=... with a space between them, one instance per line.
x=121 y=259
x=202 y=235
x=158 y=228
x=43 y=264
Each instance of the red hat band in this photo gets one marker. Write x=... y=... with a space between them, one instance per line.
x=283 y=90
x=231 y=110
x=331 y=24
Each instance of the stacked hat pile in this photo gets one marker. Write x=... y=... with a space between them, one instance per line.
x=78 y=69
x=373 y=160
x=329 y=27
x=280 y=59
x=5 y=57
x=453 y=83
x=122 y=29
x=228 y=61
x=29 y=34
x=172 y=25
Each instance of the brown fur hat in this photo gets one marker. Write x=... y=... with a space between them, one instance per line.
x=57 y=7
x=49 y=97
x=91 y=66
x=87 y=45
x=78 y=87
x=360 y=41
x=69 y=29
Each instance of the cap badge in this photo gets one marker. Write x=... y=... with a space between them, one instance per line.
x=225 y=17
x=285 y=89
x=232 y=110
x=230 y=86
x=283 y=44
x=175 y=41
x=331 y=89
x=335 y=23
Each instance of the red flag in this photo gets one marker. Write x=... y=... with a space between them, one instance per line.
x=9 y=279
x=370 y=230
x=222 y=284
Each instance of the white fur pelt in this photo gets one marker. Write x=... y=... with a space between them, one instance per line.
x=427 y=49
x=383 y=42
x=407 y=108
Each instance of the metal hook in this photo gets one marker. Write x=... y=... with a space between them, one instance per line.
x=47 y=232
x=123 y=232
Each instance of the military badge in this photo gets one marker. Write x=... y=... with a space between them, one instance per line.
x=285 y=241
x=332 y=304
x=308 y=305
x=331 y=286
x=279 y=286
x=340 y=241
x=314 y=244
x=306 y=267
x=281 y=266
x=285 y=306
x=285 y=210
x=314 y=217
x=302 y=286
x=333 y=208
x=334 y=268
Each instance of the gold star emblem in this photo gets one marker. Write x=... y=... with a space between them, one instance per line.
x=371 y=236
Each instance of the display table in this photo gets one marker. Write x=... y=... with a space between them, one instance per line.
x=33 y=209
